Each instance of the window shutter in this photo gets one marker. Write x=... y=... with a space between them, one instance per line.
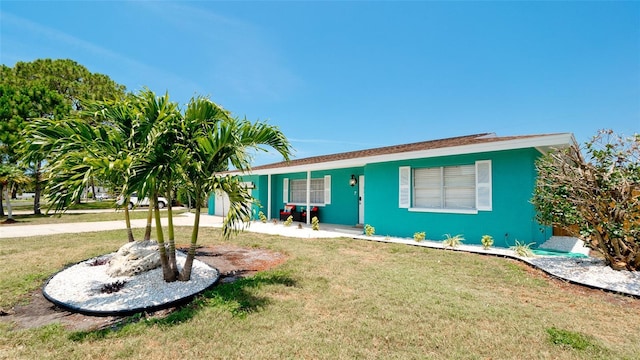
x=405 y=190
x=285 y=191
x=327 y=189
x=483 y=185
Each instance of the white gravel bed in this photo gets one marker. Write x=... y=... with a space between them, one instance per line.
x=589 y=271
x=79 y=287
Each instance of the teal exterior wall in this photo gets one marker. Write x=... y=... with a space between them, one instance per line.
x=343 y=208
x=512 y=216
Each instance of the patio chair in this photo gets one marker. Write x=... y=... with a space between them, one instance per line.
x=287 y=211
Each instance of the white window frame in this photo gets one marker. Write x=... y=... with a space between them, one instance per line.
x=324 y=191
x=482 y=192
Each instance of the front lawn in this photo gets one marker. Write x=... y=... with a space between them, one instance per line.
x=337 y=299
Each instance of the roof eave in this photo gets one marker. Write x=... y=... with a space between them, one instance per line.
x=543 y=143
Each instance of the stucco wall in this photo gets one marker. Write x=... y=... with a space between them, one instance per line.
x=343 y=208
x=512 y=217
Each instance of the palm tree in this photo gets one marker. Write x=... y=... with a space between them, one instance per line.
x=211 y=143
x=98 y=145
x=145 y=144
x=11 y=175
x=155 y=165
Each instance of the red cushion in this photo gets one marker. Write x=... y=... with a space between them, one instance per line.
x=315 y=208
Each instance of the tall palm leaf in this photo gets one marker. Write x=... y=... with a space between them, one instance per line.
x=213 y=142
x=80 y=149
x=154 y=166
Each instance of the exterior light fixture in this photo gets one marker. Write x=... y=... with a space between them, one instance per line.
x=353 y=181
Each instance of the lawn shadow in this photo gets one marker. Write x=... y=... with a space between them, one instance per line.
x=237 y=297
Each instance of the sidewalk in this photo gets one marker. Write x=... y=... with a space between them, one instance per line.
x=185 y=219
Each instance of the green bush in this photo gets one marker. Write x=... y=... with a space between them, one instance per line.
x=369 y=230
x=487 y=241
x=522 y=249
x=453 y=241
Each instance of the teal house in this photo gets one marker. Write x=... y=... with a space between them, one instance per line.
x=471 y=185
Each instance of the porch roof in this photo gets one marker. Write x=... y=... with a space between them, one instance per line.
x=441 y=147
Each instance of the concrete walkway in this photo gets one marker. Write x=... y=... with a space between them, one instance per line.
x=588 y=272
x=13 y=231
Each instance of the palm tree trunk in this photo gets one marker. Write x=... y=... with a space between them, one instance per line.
x=6 y=195
x=93 y=188
x=185 y=275
x=167 y=273
x=147 y=230
x=172 y=242
x=1 y=199
x=38 y=189
x=127 y=220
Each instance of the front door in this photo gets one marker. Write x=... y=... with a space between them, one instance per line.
x=361 y=199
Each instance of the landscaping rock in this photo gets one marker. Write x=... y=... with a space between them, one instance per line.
x=134 y=258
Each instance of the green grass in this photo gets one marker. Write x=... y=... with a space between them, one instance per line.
x=571 y=339
x=336 y=299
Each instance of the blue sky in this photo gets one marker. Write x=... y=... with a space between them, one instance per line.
x=340 y=76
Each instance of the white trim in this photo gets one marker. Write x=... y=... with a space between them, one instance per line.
x=308 y=193
x=285 y=190
x=327 y=189
x=445 y=211
x=484 y=185
x=542 y=141
x=361 y=199
x=404 y=189
x=269 y=197
x=305 y=204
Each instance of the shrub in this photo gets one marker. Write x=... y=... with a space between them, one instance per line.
x=453 y=241
x=419 y=236
x=369 y=230
x=262 y=217
x=595 y=196
x=522 y=249
x=487 y=241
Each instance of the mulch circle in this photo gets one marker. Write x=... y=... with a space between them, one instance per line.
x=232 y=262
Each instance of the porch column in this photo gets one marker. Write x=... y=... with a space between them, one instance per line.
x=308 y=196
x=269 y=197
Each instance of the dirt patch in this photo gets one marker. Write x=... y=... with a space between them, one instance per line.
x=232 y=261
